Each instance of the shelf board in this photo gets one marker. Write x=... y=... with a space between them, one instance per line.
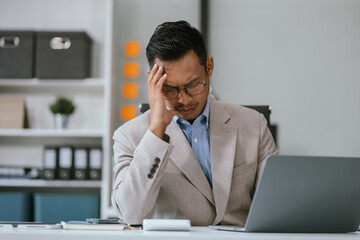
x=50 y=133
x=47 y=183
x=41 y=86
x=35 y=82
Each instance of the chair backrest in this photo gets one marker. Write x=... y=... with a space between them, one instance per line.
x=266 y=111
x=143 y=107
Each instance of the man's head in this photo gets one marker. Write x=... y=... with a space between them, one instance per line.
x=172 y=40
x=180 y=49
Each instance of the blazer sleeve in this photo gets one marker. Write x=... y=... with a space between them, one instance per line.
x=138 y=173
x=267 y=146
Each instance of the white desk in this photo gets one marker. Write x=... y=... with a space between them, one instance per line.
x=197 y=233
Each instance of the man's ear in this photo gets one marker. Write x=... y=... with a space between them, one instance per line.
x=210 y=66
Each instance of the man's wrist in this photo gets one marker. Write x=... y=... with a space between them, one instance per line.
x=159 y=132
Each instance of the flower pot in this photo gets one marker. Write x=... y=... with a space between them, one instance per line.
x=61 y=121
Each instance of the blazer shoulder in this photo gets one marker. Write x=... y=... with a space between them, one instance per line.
x=239 y=111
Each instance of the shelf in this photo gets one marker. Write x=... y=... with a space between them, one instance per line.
x=46 y=183
x=35 y=82
x=42 y=86
x=50 y=133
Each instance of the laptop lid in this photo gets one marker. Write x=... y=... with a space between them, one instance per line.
x=307 y=194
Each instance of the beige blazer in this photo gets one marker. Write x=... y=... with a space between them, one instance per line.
x=157 y=179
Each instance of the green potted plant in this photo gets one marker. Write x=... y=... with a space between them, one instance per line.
x=62 y=108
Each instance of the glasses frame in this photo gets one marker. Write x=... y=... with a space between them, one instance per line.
x=186 y=91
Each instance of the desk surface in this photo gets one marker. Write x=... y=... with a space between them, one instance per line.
x=197 y=233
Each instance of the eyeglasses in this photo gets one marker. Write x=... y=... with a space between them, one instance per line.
x=191 y=89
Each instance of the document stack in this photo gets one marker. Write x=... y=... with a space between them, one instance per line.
x=95 y=163
x=65 y=163
x=72 y=163
x=80 y=163
x=50 y=163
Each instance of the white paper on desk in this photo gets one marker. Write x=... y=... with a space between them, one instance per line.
x=38 y=226
x=80 y=225
x=6 y=226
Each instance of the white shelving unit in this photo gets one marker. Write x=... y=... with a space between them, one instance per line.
x=90 y=124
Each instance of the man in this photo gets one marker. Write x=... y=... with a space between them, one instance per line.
x=190 y=156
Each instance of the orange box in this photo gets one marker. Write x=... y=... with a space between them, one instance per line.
x=132 y=49
x=130 y=90
x=131 y=69
x=128 y=112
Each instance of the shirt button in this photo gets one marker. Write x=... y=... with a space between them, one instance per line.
x=157 y=160
x=153 y=171
x=195 y=140
x=150 y=176
x=155 y=165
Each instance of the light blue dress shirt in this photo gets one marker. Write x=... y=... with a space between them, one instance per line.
x=198 y=136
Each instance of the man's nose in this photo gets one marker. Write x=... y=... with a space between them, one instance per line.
x=183 y=97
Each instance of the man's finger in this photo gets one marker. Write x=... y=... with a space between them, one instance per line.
x=160 y=83
x=158 y=74
x=152 y=73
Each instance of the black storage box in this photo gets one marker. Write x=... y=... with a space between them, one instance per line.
x=63 y=55
x=16 y=54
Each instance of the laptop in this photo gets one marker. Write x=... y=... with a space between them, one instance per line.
x=305 y=194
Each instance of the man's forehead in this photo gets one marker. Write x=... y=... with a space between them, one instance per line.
x=180 y=83
x=189 y=59
x=165 y=64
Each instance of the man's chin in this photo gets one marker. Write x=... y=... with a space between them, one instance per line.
x=187 y=117
x=188 y=113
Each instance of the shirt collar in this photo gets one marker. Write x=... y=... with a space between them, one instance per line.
x=204 y=113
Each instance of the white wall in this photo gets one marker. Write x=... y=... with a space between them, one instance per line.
x=303 y=58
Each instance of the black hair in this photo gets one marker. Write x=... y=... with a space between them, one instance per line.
x=173 y=40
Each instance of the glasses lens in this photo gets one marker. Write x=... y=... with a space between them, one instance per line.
x=192 y=89
x=170 y=93
x=195 y=88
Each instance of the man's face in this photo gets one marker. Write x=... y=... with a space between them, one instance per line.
x=180 y=74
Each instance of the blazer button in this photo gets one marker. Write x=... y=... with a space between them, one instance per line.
x=157 y=160
x=153 y=171
x=150 y=176
x=155 y=165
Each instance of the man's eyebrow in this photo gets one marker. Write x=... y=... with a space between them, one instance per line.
x=193 y=80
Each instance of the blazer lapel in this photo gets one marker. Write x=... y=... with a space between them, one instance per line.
x=223 y=139
x=185 y=159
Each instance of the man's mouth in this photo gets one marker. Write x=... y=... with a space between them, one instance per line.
x=186 y=110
